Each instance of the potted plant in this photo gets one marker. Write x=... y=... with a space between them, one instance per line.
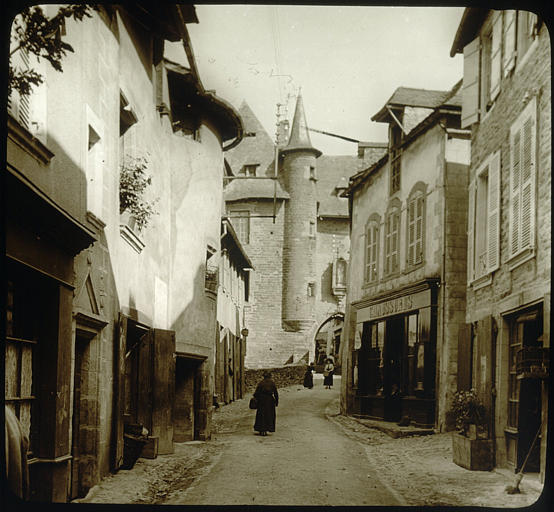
x=471 y=447
x=134 y=208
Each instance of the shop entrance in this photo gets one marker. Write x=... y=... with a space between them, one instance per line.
x=394 y=344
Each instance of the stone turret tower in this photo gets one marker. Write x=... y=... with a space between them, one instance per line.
x=298 y=173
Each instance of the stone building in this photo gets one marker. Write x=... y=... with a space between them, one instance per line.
x=296 y=231
x=406 y=279
x=108 y=319
x=235 y=269
x=504 y=346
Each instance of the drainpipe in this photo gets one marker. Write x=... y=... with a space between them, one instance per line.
x=443 y=264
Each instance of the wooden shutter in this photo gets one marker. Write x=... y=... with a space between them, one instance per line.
x=515 y=148
x=509 y=41
x=470 y=233
x=411 y=232
x=496 y=55
x=419 y=230
x=493 y=214
x=470 y=96
x=119 y=398
x=528 y=184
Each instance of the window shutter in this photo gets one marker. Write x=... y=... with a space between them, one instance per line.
x=464 y=358
x=411 y=233
x=509 y=41
x=515 y=148
x=470 y=231
x=470 y=96
x=493 y=224
x=366 y=240
x=496 y=55
x=527 y=225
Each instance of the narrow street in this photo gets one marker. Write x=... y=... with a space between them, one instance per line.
x=307 y=461
x=315 y=457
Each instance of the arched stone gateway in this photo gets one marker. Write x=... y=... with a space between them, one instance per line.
x=325 y=338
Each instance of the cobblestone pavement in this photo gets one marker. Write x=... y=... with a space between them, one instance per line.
x=413 y=471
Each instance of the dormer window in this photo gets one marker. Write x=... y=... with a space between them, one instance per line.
x=248 y=170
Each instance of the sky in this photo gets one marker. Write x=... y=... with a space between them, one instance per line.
x=347 y=60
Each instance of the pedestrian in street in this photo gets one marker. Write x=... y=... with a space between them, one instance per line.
x=308 y=376
x=268 y=398
x=17 y=444
x=328 y=370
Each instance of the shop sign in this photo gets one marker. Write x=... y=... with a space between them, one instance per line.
x=395 y=306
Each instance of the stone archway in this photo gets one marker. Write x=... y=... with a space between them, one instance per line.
x=330 y=344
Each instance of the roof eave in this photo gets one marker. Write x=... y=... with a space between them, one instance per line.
x=471 y=21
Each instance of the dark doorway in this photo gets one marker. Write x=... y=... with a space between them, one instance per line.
x=394 y=344
x=76 y=465
x=187 y=398
x=529 y=424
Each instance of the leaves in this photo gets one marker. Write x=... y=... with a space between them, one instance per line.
x=467 y=409
x=33 y=32
x=133 y=183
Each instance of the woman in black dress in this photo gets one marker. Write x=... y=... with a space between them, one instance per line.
x=308 y=376
x=267 y=397
x=328 y=370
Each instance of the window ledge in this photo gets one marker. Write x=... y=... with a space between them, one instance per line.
x=96 y=222
x=131 y=238
x=25 y=140
x=520 y=258
x=409 y=268
x=482 y=281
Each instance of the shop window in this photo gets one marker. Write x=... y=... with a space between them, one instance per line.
x=415 y=359
x=371 y=249
x=522 y=182
x=484 y=220
x=241 y=223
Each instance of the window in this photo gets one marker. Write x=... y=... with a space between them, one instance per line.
x=415 y=245
x=371 y=249
x=212 y=265
x=392 y=230
x=395 y=152
x=94 y=163
x=311 y=289
x=312 y=229
x=484 y=220
x=312 y=173
x=526 y=31
x=522 y=181
x=241 y=223
x=371 y=358
x=248 y=170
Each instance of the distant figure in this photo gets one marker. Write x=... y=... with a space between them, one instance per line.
x=267 y=398
x=308 y=376
x=328 y=373
x=17 y=445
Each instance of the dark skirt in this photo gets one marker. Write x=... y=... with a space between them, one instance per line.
x=308 y=380
x=265 y=413
x=328 y=381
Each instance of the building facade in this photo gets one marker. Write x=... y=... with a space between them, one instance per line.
x=235 y=271
x=292 y=221
x=406 y=279
x=506 y=340
x=122 y=320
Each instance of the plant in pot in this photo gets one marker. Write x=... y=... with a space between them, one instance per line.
x=133 y=183
x=471 y=447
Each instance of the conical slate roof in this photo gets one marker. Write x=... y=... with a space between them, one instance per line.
x=299 y=135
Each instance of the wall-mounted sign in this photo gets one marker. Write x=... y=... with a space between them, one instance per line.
x=394 y=306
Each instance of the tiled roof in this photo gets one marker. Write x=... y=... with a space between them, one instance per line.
x=333 y=170
x=410 y=97
x=241 y=189
x=299 y=134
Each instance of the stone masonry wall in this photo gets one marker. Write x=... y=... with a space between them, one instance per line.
x=282 y=376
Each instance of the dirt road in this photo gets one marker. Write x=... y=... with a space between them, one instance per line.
x=307 y=461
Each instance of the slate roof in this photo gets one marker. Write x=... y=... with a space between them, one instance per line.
x=333 y=170
x=299 y=135
x=241 y=189
x=411 y=97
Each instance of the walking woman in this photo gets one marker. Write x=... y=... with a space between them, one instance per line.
x=328 y=370
x=267 y=397
x=308 y=376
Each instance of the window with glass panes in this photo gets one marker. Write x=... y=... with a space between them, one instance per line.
x=241 y=222
x=392 y=224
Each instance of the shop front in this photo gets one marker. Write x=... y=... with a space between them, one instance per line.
x=395 y=355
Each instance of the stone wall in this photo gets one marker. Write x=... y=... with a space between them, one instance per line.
x=283 y=376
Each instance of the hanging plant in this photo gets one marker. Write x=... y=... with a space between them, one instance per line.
x=133 y=183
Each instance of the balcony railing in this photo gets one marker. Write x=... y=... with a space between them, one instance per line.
x=533 y=362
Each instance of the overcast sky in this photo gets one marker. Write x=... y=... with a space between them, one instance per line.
x=348 y=61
